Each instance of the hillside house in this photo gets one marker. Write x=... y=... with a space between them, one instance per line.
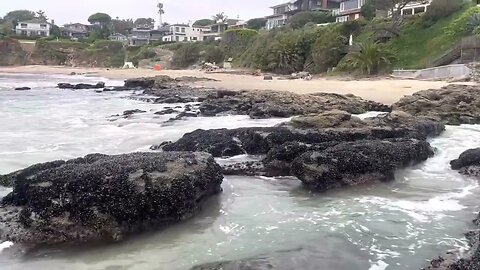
x=282 y=12
x=34 y=28
x=75 y=30
x=350 y=10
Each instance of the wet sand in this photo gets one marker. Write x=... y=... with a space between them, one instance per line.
x=386 y=90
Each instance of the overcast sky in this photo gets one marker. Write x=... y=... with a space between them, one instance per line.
x=176 y=11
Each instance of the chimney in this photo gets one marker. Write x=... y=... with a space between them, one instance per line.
x=53 y=22
x=325 y=4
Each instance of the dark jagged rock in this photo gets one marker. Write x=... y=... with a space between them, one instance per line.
x=470 y=261
x=102 y=197
x=167 y=111
x=174 y=99
x=81 y=86
x=144 y=83
x=259 y=140
x=266 y=104
x=354 y=163
x=454 y=104
x=131 y=112
x=278 y=160
x=468 y=163
x=23 y=88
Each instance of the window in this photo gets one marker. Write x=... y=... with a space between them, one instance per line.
x=183 y=29
x=43 y=26
x=194 y=38
x=24 y=33
x=43 y=33
x=177 y=38
x=23 y=25
x=185 y=39
x=342 y=19
x=177 y=29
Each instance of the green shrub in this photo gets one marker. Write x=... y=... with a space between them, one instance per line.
x=213 y=54
x=300 y=19
x=235 y=42
x=372 y=58
x=442 y=8
x=328 y=50
x=186 y=55
x=473 y=23
x=458 y=27
x=285 y=55
x=140 y=53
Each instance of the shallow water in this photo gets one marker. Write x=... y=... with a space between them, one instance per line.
x=398 y=225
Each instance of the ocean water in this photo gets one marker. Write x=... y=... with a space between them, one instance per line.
x=396 y=225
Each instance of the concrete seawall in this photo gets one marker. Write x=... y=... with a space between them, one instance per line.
x=435 y=73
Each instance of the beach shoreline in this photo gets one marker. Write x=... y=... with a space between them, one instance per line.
x=385 y=90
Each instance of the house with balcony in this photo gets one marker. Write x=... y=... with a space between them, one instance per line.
x=280 y=16
x=283 y=12
x=185 y=32
x=33 y=28
x=350 y=10
x=75 y=30
x=416 y=7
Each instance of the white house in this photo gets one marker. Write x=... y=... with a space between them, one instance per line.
x=34 y=28
x=185 y=32
x=416 y=7
x=280 y=15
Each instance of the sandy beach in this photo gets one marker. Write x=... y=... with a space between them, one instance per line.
x=386 y=90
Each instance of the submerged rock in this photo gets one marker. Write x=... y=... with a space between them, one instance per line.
x=307 y=258
x=260 y=140
x=354 y=163
x=131 y=112
x=468 y=163
x=23 y=88
x=99 y=85
x=102 y=197
x=451 y=260
x=453 y=104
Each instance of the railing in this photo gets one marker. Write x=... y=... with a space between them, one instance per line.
x=467 y=43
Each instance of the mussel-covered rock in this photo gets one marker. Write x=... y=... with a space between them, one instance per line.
x=102 y=197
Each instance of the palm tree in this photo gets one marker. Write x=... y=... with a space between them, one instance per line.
x=372 y=58
x=220 y=18
x=161 y=11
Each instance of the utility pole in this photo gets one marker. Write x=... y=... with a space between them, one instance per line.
x=161 y=11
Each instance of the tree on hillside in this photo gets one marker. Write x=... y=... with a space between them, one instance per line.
x=303 y=5
x=257 y=23
x=145 y=22
x=368 y=10
x=41 y=15
x=100 y=18
x=203 y=22
x=220 y=18
x=122 y=26
x=55 y=31
x=394 y=7
x=13 y=17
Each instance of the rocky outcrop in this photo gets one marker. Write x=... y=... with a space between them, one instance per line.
x=267 y=104
x=258 y=141
x=102 y=197
x=354 y=163
x=470 y=261
x=99 y=85
x=468 y=163
x=453 y=104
